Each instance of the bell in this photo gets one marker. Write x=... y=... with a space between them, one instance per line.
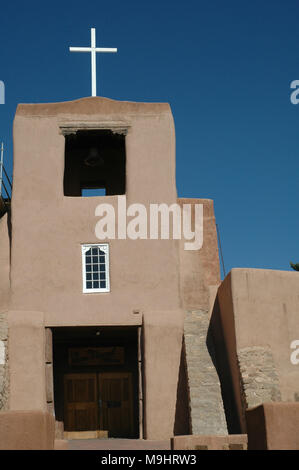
x=94 y=158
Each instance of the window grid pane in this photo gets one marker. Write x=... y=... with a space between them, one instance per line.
x=95 y=269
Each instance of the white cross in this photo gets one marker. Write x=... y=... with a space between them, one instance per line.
x=93 y=49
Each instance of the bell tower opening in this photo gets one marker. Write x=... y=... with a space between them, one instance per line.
x=95 y=163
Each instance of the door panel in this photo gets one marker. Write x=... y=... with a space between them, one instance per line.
x=80 y=402
x=99 y=402
x=115 y=398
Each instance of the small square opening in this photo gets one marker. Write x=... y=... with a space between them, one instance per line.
x=93 y=192
x=95 y=164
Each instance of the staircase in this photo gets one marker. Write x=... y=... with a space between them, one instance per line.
x=206 y=406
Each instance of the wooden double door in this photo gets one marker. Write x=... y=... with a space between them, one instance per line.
x=99 y=402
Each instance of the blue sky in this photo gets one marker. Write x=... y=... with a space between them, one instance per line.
x=224 y=67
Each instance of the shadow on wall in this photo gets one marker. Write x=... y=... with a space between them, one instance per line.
x=9 y=229
x=182 y=413
x=219 y=355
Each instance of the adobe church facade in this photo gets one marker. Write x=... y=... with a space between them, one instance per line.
x=120 y=337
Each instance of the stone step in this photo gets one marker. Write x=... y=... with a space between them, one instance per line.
x=117 y=444
x=206 y=405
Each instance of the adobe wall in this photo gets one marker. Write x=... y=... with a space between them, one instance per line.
x=4 y=263
x=210 y=442
x=273 y=426
x=49 y=228
x=258 y=312
x=162 y=353
x=24 y=430
x=199 y=280
x=4 y=301
x=200 y=269
x=27 y=368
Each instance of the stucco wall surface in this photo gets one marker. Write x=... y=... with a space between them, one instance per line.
x=259 y=312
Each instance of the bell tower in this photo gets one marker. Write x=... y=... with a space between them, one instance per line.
x=101 y=307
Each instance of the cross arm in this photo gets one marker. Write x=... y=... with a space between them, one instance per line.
x=91 y=49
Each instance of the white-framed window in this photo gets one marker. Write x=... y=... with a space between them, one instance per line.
x=95 y=268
